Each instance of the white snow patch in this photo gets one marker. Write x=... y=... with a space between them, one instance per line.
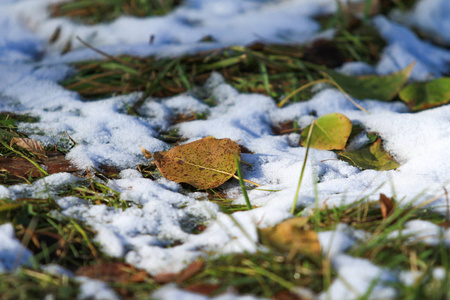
x=95 y=289
x=12 y=253
x=355 y=277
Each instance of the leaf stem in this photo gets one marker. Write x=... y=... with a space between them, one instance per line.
x=241 y=182
x=308 y=144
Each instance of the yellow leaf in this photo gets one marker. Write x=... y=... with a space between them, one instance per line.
x=204 y=164
x=292 y=236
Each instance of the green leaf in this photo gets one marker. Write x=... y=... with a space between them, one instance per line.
x=370 y=157
x=330 y=132
x=204 y=164
x=423 y=95
x=382 y=88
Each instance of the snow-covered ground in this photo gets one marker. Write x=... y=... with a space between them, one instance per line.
x=30 y=69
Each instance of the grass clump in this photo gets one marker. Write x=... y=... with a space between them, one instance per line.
x=52 y=237
x=27 y=284
x=274 y=70
x=386 y=246
x=263 y=274
x=98 y=193
x=98 y=11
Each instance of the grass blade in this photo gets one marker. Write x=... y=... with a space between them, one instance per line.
x=308 y=144
x=241 y=182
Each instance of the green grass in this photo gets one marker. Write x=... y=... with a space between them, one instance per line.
x=8 y=154
x=98 y=11
x=61 y=240
x=274 y=70
x=267 y=273
x=263 y=273
x=51 y=237
x=29 y=284
x=98 y=193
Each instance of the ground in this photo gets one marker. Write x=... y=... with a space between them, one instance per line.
x=355 y=208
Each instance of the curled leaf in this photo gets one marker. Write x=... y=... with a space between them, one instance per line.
x=386 y=205
x=330 y=132
x=31 y=145
x=147 y=154
x=204 y=164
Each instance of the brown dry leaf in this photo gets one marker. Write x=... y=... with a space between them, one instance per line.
x=191 y=270
x=204 y=164
x=147 y=154
x=359 y=7
x=113 y=272
x=292 y=236
x=206 y=289
x=386 y=205
x=31 y=145
x=55 y=162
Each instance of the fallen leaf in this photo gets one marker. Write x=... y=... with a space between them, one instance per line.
x=163 y=278
x=180 y=277
x=56 y=162
x=206 y=289
x=31 y=145
x=330 y=132
x=371 y=157
x=204 y=164
x=147 y=154
x=386 y=205
x=383 y=88
x=292 y=236
x=423 y=95
x=16 y=167
x=113 y=272
x=191 y=270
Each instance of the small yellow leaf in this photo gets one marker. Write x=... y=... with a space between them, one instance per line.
x=31 y=145
x=292 y=236
x=330 y=132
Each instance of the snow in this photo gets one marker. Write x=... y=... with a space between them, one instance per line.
x=12 y=253
x=30 y=69
x=425 y=232
x=429 y=17
x=355 y=276
x=95 y=289
x=170 y=291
